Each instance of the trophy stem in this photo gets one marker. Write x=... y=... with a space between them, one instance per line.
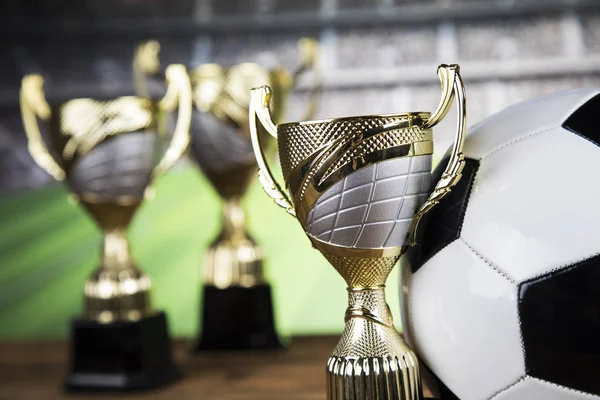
x=237 y=304
x=117 y=290
x=234 y=259
x=371 y=361
x=234 y=219
x=116 y=254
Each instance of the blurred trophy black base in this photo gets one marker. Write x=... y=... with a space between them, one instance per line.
x=237 y=318
x=120 y=355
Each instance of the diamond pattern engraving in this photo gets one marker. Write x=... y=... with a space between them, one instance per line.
x=297 y=142
x=382 y=142
x=345 y=236
x=374 y=206
x=120 y=166
x=364 y=337
x=375 y=339
x=363 y=272
x=88 y=122
x=360 y=195
x=384 y=189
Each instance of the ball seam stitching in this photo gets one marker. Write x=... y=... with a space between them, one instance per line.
x=489 y=263
x=522 y=378
x=591 y=395
x=513 y=141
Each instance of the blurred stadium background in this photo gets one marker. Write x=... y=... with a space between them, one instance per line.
x=378 y=56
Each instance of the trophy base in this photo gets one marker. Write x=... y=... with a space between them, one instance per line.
x=381 y=378
x=121 y=355
x=238 y=318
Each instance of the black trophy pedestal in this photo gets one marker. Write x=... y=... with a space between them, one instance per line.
x=237 y=318
x=121 y=355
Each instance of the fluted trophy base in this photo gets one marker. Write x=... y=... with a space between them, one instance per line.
x=120 y=356
x=371 y=360
x=363 y=379
x=381 y=378
x=238 y=318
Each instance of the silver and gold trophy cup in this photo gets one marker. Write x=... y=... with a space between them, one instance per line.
x=359 y=186
x=237 y=307
x=109 y=149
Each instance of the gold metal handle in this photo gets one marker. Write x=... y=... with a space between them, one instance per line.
x=447 y=75
x=452 y=87
x=208 y=82
x=34 y=105
x=309 y=60
x=235 y=97
x=309 y=54
x=179 y=94
x=259 y=109
x=145 y=62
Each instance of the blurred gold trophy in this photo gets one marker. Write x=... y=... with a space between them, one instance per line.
x=359 y=186
x=108 y=150
x=237 y=306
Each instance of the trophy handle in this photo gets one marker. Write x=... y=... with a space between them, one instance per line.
x=145 y=62
x=259 y=109
x=179 y=94
x=309 y=60
x=452 y=87
x=213 y=74
x=33 y=104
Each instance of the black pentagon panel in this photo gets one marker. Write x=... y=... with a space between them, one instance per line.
x=584 y=121
x=560 y=324
x=443 y=223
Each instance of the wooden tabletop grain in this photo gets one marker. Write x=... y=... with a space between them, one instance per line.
x=35 y=370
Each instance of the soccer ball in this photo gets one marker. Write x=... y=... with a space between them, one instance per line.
x=502 y=298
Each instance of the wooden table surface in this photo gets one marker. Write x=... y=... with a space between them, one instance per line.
x=34 y=370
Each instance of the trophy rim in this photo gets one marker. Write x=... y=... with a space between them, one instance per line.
x=424 y=115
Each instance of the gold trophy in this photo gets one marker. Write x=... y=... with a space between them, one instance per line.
x=108 y=150
x=237 y=306
x=359 y=186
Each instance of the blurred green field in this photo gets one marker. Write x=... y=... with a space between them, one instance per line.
x=48 y=247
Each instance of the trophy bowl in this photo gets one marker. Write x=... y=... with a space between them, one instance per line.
x=237 y=306
x=108 y=150
x=359 y=187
